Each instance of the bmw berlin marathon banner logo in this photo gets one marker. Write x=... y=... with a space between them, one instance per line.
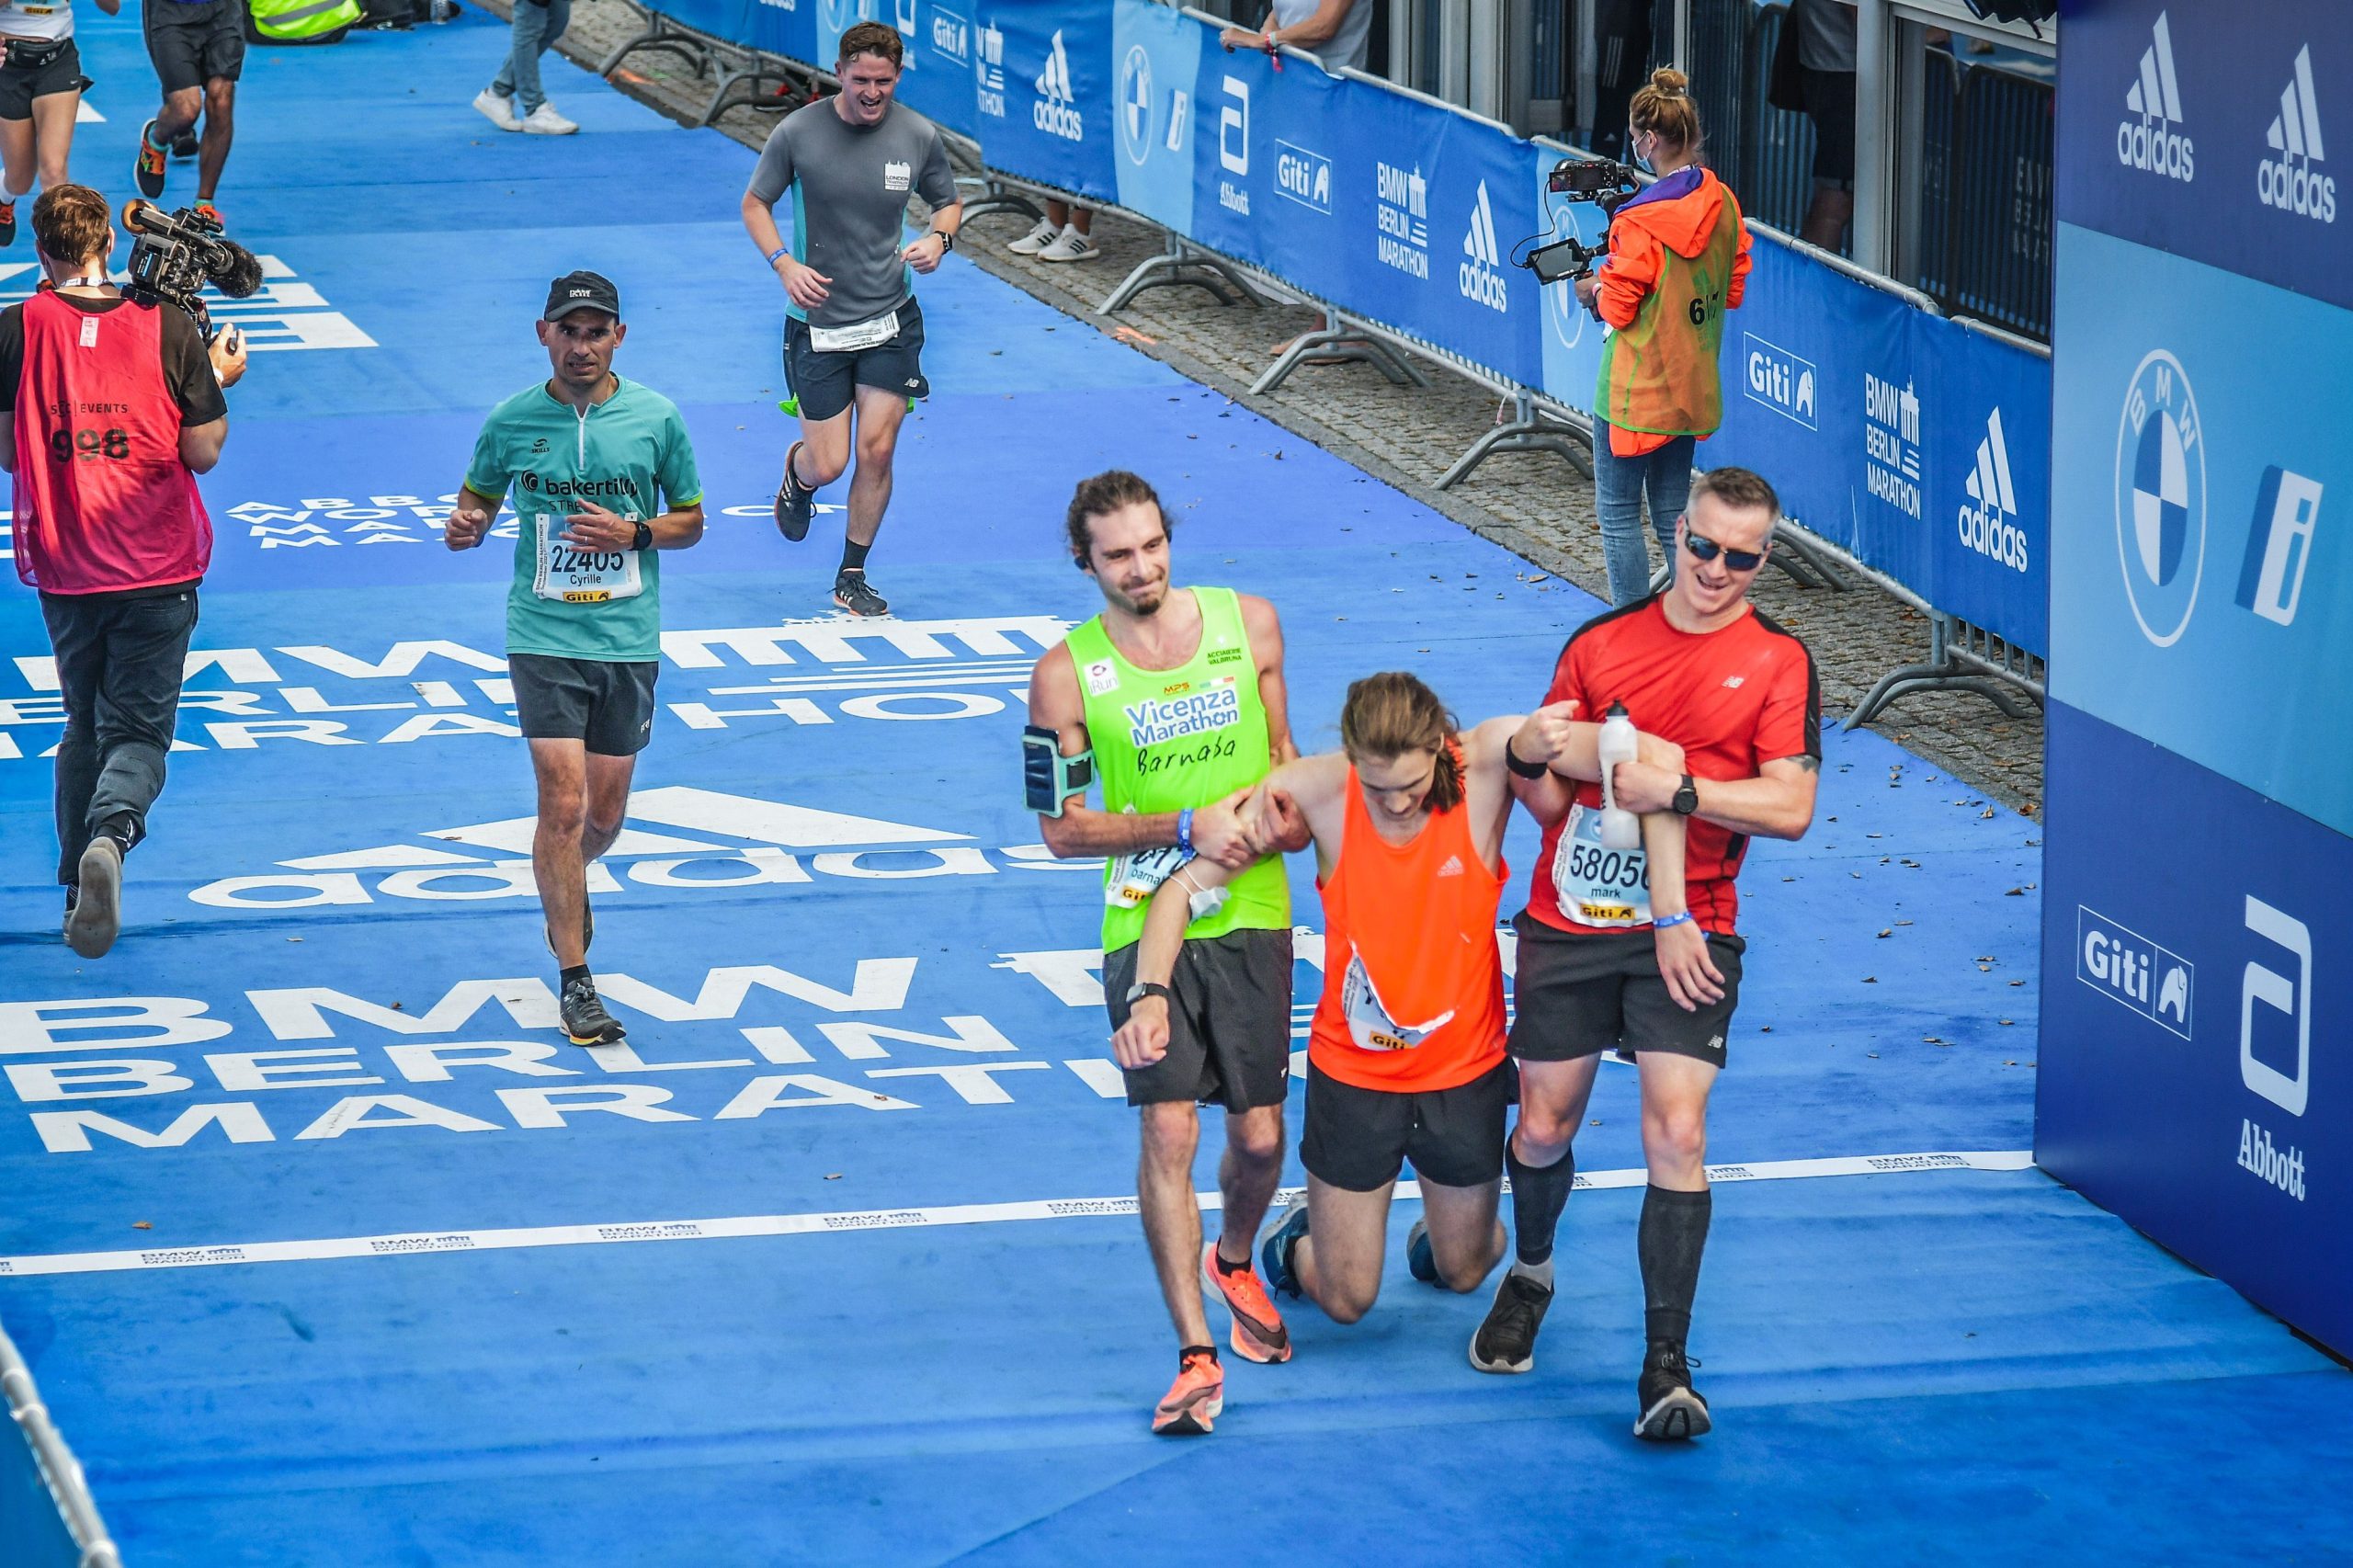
x=2288 y=179
x=2154 y=139
x=2161 y=498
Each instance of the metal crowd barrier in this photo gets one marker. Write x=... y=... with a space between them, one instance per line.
x=735 y=65
x=1960 y=657
x=48 y=1518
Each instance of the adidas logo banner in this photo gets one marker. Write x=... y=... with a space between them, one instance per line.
x=2203 y=130
x=2151 y=135
x=2291 y=178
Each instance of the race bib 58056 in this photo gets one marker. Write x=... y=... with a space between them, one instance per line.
x=1599 y=886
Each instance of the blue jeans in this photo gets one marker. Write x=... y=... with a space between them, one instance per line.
x=535 y=27
x=1618 y=485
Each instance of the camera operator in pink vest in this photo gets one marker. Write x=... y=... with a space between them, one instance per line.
x=113 y=408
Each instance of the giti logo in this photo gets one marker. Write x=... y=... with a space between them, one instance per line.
x=1477 y=276
x=2290 y=182
x=951 y=35
x=2151 y=141
x=1056 y=112
x=1989 y=519
x=1304 y=175
x=2161 y=498
x=2279 y=544
x=1780 y=380
x=2123 y=965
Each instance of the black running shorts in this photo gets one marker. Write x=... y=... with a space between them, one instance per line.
x=827 y=383
x=20 y=84
x=608 y=705
x=193 y=42
x=1359 y=1138
x=1577 y=993
x=1229 y=1023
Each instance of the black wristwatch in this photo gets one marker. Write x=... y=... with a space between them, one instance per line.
x=643 y=538
x=947 y=240
x=1686 y=799
x=1143 y=988
x=1525 y=769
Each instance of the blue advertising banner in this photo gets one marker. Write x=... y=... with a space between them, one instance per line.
x=2201 y=599
x=2194 y=1072
x=1043 y=78
x=1159 y=52
x=1905 y=440
x=2199 y=129
x=938 y=81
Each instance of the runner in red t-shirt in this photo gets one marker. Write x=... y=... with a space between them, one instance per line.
x=1730 y=719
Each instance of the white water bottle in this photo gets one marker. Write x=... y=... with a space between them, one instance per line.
x=1621 y=829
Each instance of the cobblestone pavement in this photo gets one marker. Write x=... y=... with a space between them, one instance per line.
x=1534 y=505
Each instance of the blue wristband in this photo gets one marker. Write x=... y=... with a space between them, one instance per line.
x=1663 y=922
x=1185 y=830
x=780 y=251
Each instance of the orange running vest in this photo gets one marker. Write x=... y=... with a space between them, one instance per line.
x=1420 y=918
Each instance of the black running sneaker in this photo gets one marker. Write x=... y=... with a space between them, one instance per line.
x=185 y=144
x=588 y=929
x=1507 y=1341
x=795 y=503
x=585 y=1018
x=148 y=172
x=96 y=917
x=855 y=594
x=1672 y=1410
x=72 y=896
x=1281 y=1241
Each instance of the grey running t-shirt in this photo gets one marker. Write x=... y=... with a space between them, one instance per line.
x=1350 y=45
x=1825 y=34
x=850 y=186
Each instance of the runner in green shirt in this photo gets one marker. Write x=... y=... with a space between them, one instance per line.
x=586 y=455
x=1178 y=694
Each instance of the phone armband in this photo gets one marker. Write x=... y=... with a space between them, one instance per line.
x=1048 y=777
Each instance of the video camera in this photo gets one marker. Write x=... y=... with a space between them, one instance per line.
x=177 y=254
x=1608 y=186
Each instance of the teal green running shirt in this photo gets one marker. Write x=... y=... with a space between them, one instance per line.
x=629 y=454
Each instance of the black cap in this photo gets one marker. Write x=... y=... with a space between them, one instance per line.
x=582 y=292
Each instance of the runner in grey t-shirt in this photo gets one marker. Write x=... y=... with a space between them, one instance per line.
x=852 y=334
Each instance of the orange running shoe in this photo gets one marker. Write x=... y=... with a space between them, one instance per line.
x=147 y=172
x=1259 y=1331
x=205 y=210
x=1194 y=1400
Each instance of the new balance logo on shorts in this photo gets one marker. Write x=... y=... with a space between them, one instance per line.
x=2288 y=181
x=2153 y=140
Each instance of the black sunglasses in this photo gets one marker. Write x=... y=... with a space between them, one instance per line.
x=1705 y=548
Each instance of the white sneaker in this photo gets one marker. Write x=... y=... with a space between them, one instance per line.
x=544 y=121
x=1037 y=239
x=499 y=111
x=1069 y=246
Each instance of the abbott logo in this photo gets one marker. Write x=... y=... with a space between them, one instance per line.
x=2279 y=544
x=2161 y=498
x=2125 y=966
x=2278 y=992
x=2153 y=142
x=1780 y=380
x=1477 y=276
x=1234 y=127
x=2290 y=182
x=1056 y=112
x=1988 y=523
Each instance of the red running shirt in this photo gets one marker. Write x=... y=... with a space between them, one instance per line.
x=1733 y=699
x=1416 y=924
